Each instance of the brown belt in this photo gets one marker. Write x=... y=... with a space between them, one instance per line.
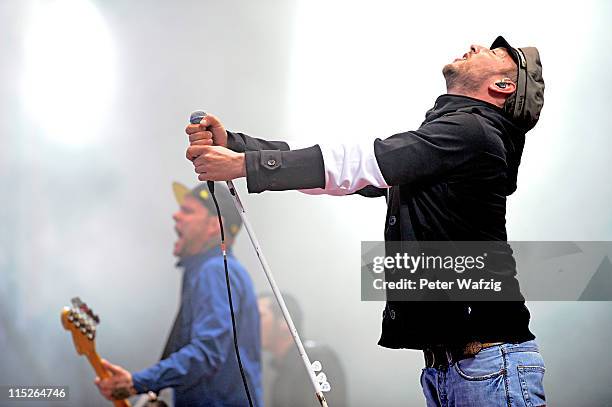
x=441 y=356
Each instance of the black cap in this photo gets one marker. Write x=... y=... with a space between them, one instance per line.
x=524 y=105
x=231 y=219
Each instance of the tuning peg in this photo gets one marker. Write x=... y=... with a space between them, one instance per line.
x=93 y=316
x=316 y=366
x=91 y=331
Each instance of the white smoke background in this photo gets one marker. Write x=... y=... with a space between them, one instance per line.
x=94 y=97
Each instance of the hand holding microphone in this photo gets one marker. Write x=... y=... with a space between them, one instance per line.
x=207 y=150
x=206 y=129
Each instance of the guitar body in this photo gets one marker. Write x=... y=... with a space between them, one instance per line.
x=81 y=322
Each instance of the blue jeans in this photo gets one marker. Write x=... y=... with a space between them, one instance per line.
x=507 y=375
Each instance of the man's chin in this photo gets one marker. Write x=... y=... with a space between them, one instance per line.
x=178 y=249
x=449 y=69
x=451 y=75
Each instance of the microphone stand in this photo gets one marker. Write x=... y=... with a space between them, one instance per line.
x=277 y=294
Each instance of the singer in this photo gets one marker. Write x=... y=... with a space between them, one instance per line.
x=446 y=181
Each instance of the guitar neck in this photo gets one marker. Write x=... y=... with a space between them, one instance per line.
x=96 y=362
x=81 y=322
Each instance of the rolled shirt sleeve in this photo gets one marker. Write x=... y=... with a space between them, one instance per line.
x=349 y=168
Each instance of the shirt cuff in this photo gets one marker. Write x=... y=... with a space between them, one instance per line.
x=141 y=383
x=274 y=170
x=235 y=142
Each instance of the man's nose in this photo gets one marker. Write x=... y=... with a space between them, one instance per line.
x=176 y=216
x=476 y=48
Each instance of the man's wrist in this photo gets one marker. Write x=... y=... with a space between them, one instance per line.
x=138 y=385
x=242 y=165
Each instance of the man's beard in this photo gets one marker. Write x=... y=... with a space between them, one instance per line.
x=451 y=75
x=458 y=79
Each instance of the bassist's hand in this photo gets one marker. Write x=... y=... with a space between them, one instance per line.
x=117 y=386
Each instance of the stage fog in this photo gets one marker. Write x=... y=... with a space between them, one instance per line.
x=94 y=102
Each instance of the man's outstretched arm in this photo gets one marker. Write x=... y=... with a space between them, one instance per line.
x=271 y=165
x=429 y=153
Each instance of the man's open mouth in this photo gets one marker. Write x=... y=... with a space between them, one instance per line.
x=464 y=58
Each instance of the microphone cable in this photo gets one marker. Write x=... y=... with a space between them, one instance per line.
x=211 y=188
x=195 y=118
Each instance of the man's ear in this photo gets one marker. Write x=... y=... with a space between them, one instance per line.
x=502 y=87
x=213 y=225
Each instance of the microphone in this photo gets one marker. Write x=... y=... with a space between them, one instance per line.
x=195 y=118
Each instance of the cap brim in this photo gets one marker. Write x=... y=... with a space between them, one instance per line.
x=180 y=191
x=500 y=42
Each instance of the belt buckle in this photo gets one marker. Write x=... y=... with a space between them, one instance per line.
x=471 y=349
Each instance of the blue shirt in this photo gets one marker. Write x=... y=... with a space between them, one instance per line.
x=202 y=366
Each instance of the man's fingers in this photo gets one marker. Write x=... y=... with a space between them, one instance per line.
x=107 y=393
x=218 y=164
x=193 y=128
x=209 y=128
x=193 y=152
x=200 y=135
x=201 y=159
x=210 y=121
x=105 y=387
x=202 y=143
x=110 y=367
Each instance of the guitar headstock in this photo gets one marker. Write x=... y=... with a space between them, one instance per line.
x=80 y=320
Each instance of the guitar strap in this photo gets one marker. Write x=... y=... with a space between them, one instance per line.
x=168 y=348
